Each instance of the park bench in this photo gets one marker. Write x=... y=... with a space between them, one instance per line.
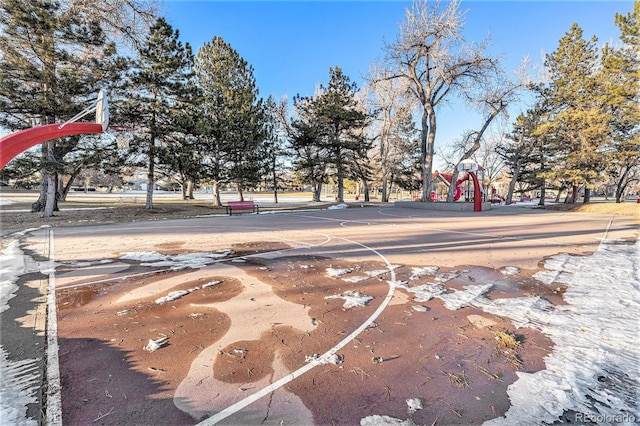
x=242 y=206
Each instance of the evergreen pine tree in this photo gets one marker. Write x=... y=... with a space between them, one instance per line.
x=235 y=116
x=158 y=89
x=52 y=64
x=619 y=79
x=341 y=120
x=577 y=122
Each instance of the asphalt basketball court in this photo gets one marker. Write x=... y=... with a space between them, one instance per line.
x=390 y=238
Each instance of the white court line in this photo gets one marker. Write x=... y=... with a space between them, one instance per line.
x=232 y=409
x=54 y=387
x=606 y=231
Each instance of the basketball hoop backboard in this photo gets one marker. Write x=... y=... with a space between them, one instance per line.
x=467 y=165
x=102 y=110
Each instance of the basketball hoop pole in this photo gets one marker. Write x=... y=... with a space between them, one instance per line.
x=100 y=101
x=78 y=116
x=17 y=142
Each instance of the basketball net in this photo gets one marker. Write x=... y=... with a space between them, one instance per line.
x=123 y=135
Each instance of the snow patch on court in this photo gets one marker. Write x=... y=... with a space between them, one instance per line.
x=593 y=369
x=324 y=359
x=461 y=298
x=510 y=270
x=156 y=344
x=355 y=278
x=377 y=272
x=175 y=261
x=352 y=299
x=211 y=284
x=418 y=272
x=377 y=420
x=177 y=294
x=337 y=272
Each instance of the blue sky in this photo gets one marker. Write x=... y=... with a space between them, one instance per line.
x=291 y=44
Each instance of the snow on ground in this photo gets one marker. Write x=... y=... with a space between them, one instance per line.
x=593 y=369
x=19 y=385
x=175 y=261
x=19 y=379
x=355 y=278
x=510 y=270
x=414 y=404
x=323 y=359
x=377 y=272
x=154 y=345
x=352 y=299
x=418 y=272
x=592 y=375
x=337 y=207
x=337 y=272
x=12 y=266
x=461 y=298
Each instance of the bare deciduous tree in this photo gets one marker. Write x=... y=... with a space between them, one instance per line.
x=124 y=21
x=388 y=98
x=491 y=98
x=430 y=54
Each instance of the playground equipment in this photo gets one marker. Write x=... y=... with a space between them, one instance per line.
x=15 y=143
x=470 y=168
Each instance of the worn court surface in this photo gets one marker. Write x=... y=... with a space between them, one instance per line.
x=238 y=346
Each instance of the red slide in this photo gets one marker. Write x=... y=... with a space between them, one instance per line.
x=15 y=143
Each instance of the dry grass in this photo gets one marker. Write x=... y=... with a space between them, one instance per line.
x=507 y=340
x=605 y=208
x=459 y=380
x=508 y=346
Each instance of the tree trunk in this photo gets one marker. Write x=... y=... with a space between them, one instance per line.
x=385 y=190
x=50 y=205
x=240 y=192
x=427 y=140
x=543 y=195
x=366 y=190
x=621 y=185
x=275 y=182
x=384 y=158
x=63 y=190
x=38 y=205
x=557 y=200
x=150 y=174
x=340 y=176
x=190 y=189
x=452 y=186
x=317 y=190
x=512 y=184
x=215 y=189
x=587 y=195
x=574 y=193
